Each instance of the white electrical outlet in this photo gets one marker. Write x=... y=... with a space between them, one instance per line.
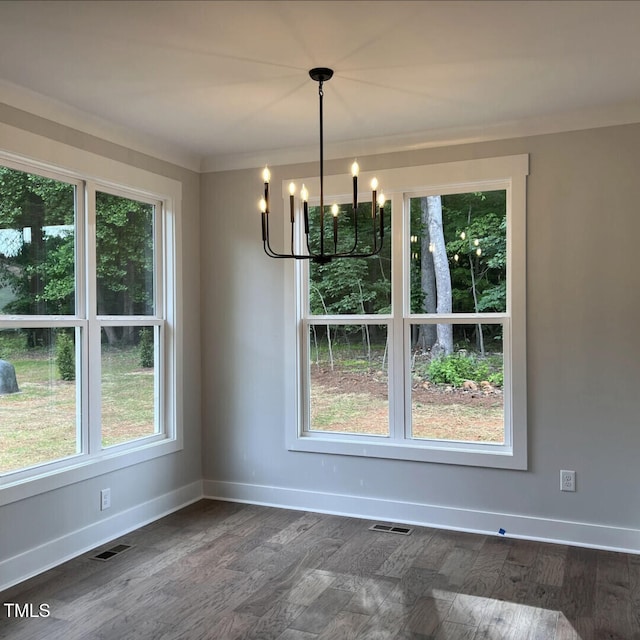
x=567 y=480
x=105 y=499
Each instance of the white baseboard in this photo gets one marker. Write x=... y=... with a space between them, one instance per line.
x=579 y=534
x=34 y=561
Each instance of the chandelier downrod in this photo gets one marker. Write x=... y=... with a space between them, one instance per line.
x=321 y=75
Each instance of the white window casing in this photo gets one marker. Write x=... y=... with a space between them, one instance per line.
x=501 y=173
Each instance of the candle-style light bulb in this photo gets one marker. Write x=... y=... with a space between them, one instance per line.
x=478 y=251
x=381 y=200
x=374 y=197
x=355 y=169
x=292 y=190
x=476 y=242
x=262 y=205
x=335 y=210
x=266 y=176
x=304 y=195
x=463 y=235
x=456 y=257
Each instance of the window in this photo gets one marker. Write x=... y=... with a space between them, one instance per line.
x=87 y=319
x=419 y=353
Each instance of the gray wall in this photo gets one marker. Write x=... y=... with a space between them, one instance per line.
x=137 y=491
x=583 y=368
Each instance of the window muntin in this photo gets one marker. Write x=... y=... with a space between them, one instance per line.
x=504 y=179
x=62 y=305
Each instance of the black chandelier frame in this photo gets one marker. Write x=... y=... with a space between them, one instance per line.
x=323 y=256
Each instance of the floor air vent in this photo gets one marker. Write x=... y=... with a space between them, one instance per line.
x=387 y=528
x=109 y=553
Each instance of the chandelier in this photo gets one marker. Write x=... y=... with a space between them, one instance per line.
x=327 y=242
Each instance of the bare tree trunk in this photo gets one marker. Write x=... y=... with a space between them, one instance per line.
x=427 y=333
x=433 y=205
x=475 y=304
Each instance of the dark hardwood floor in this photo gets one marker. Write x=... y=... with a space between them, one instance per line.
x=220 y=571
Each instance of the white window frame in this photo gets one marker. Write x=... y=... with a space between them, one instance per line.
x=32 y=153
x=508 y=173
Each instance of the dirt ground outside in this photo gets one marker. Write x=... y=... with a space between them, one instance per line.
x=357 y=402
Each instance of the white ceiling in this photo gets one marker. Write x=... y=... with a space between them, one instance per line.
x=225 y=84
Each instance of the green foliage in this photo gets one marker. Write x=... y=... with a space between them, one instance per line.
x=38 y=250
x=482 y=217
x=39 y=269
x=124 y=253
x=457 y=368
x=65 y=356
x=146 y=348
x=13 y=342
x=356 y=285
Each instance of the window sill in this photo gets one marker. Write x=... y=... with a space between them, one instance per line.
x=82 y=468
x=462 y=453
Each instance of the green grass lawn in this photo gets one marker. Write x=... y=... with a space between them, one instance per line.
x=39 y=424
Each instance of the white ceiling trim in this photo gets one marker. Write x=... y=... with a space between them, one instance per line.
x=45 y=107
x=64 y=114
x=627 y=113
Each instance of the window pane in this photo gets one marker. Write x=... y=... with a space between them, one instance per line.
x=348 y=379
x=37 y=244
x=458 y=395
x=129 y=370
x=38 y=395
x=124 y=254
x=355 y=285
x=458 y=253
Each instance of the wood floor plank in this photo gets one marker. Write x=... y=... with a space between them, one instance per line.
x=273 y=623
x=549 y=565
x=513 y=583
x=449 y=630
x=483 y=575
x=369 y=595
x=468 y=610
x=577 y=598
x=294 y=634
x=345 y=626
x=457 y=565
x=427 y=615
x=400 y=560
x=386 y=623
x=322 y=611
x=364 y=554
x=309 y=586
x=224 y=571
